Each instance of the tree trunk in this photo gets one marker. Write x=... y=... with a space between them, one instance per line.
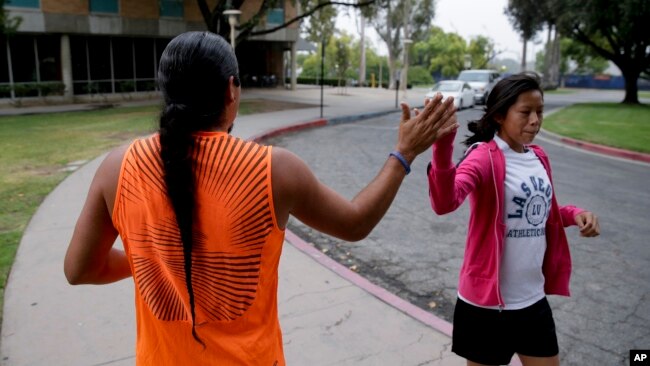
x=391 y=70
x=555 y=61
x=548 y=56
x=362 y=45
x=523 y=57
x=403 y=83
x=631 y=87
x=405 y=47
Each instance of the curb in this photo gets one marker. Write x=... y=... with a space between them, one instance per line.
x=601 y=149
x=607 y=150
x=382 y=294
x=293 y=128
x=320 y=122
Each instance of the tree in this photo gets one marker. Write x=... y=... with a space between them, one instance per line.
x=550 y=13
x=341 y=59
x=8 y=25
x=396 y=20
x=540 y=62
x=615 y=30
x=217 y=23
x=375 y=64
x=482 y=51
x=444 y=53
x=419 y=75
x=586 y=59
x=576 y=58
x=312 y=64
x=338 y=56
x=525 y=18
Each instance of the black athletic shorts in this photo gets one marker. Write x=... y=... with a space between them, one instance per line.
x=492 y=337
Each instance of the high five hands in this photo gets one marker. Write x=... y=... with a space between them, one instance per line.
x=418 y=132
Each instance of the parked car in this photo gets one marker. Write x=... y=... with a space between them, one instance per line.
x=482 y=81
x=461 y=91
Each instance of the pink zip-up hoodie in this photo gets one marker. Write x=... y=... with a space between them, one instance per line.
x=481 y=175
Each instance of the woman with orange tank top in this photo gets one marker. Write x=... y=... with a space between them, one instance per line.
x=202 y=214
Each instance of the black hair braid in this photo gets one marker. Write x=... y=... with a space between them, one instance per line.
x=193 y=77
x=176 y=144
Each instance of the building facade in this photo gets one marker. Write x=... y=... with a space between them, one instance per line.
x=77 y=47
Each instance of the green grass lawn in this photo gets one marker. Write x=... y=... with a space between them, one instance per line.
x=644 y=94
x=612 y=124
x=37 y=148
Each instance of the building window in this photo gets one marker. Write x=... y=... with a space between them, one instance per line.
x=23 y=3
x=102 y=65
x=79 y=60
x=123 y=64
x=4 y=66
x=99 y=60
x=49 y=57
x=22 y=58
x=5 y=87
x=103 y=6
x=275 y=16
x=23 y=67
x=144 y=64
x=171 y=8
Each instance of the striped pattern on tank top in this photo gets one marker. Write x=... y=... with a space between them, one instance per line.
x=233 y=218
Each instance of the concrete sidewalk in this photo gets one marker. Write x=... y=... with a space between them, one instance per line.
x=329 y=315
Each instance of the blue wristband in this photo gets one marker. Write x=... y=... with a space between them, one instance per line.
x=402 y=160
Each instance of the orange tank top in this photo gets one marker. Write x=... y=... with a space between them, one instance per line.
x=235 y=256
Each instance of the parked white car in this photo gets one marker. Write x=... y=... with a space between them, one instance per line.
x=482 y=81
x=461 y=92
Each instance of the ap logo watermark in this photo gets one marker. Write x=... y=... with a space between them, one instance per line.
x=639 y=357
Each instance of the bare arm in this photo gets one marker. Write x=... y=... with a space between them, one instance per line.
x=91 y=258
x=298 y=192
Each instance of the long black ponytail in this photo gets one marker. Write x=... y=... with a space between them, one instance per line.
x=503 y=96
x=193 y=77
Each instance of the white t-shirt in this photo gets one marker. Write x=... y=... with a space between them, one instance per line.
x=528 y=194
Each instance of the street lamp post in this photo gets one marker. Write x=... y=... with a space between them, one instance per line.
x=407 y=42
x=397 y=78
x=233 y=16
x=322 y=76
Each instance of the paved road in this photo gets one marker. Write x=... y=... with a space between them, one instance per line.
x=417 y=255
x=328 y=317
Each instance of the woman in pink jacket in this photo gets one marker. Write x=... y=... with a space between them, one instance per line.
x=516 y=251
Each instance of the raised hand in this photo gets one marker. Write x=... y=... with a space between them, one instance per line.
x=418 y=132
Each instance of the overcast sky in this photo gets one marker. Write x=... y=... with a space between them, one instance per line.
x=468 y=18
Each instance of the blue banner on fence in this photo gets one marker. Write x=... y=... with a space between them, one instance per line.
x=601 y=82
